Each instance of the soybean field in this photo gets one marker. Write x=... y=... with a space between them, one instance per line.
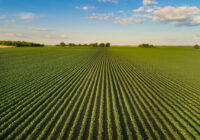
x=99 y=93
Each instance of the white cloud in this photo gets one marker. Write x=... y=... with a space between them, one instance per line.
x=126 y=21
x=27 y=16
x=184 y=15
x=149 y=2
x=196 y=20
x=85 y=8
x=175 y=13
x=113 y=1
x=102 y=17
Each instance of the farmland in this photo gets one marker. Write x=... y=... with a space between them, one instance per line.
x=99 y=93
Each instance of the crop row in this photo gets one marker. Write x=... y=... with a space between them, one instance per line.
x=102 y=96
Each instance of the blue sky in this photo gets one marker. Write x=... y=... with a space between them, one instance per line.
x=121 y=22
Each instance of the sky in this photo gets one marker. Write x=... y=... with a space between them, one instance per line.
x=120 y=22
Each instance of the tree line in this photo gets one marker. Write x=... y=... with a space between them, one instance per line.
x=85 y=45
x=146 y=46
x=152 y=46
x=21 y=44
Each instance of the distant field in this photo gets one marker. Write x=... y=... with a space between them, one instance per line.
x=99 y=93
x=118 y=46
x=3 y=46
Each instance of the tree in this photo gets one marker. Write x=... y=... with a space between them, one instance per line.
x=95 y=45
x=18 y=45
x=107 y=44
x=101 y=45
x=71 y=44
x=196 y=46
x=146 y=46
x=62 y=44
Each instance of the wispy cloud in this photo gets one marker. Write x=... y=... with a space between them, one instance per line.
x=39 y=29
x=22 y=16
x=63 y=36
x=2 y=17
x=28 y=16
x=13 y=34
x=197 y=37
x=144 y=10
x=121 y=11
x=113 y=1
x=149 y=2
x=126 y=21
x=13 y=20
x=54 y=36
x=85 y=8
x=102 y=17
x=143 y=16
